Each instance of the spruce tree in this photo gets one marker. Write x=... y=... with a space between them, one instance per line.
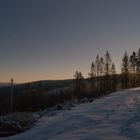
x=101 y=69
x=107 y=70
x=138 y=61
x=125 y=71
x=107 y=63
x=138 y=68
x=113 y=77
x=97 y=68
x=79 y=85
x=92 y=75
x=133 y=69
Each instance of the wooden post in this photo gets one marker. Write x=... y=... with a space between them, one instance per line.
x=12 y=95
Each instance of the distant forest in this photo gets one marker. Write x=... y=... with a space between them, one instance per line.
x=103 y=80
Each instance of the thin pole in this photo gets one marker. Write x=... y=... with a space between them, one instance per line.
x=12 y=95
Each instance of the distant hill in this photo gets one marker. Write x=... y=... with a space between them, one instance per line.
x=47 y=84
x=4 y=84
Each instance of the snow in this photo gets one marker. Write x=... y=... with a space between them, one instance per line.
x=114 y=117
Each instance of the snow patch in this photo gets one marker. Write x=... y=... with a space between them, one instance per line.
x=115 y=117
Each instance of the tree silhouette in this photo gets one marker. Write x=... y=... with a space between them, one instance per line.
x=101 y=70
x=107 y=70
x=125 y=71
x=92 y=75
x=132 y=69
x=138 y=67
x=97 y=68
x=79 y=85
x=113 y=77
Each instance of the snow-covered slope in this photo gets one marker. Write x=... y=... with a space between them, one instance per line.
x=115 y=117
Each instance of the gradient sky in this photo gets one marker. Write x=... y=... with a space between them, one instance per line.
x=50 y=39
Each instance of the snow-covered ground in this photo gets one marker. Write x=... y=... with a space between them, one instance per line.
x=115 y=117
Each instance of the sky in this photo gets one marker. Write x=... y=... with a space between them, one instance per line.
x=51 y=39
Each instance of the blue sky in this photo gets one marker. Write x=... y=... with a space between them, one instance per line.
x=50 y=39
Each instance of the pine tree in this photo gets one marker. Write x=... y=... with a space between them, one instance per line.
x=92 y=73
x=97 y=65
x=113 y=77
x=92 y=76
x=101 y=70
x=132 y=68
x=97 y=68
x=125 y=71
x=107 y=70
x=107 y=63
x=138 y=61
x=138 y=68
x=12 y=95
x=79 y=85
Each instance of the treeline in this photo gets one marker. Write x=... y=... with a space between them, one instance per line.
x=33 y=97
x=102 y=80
x=39 y=98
